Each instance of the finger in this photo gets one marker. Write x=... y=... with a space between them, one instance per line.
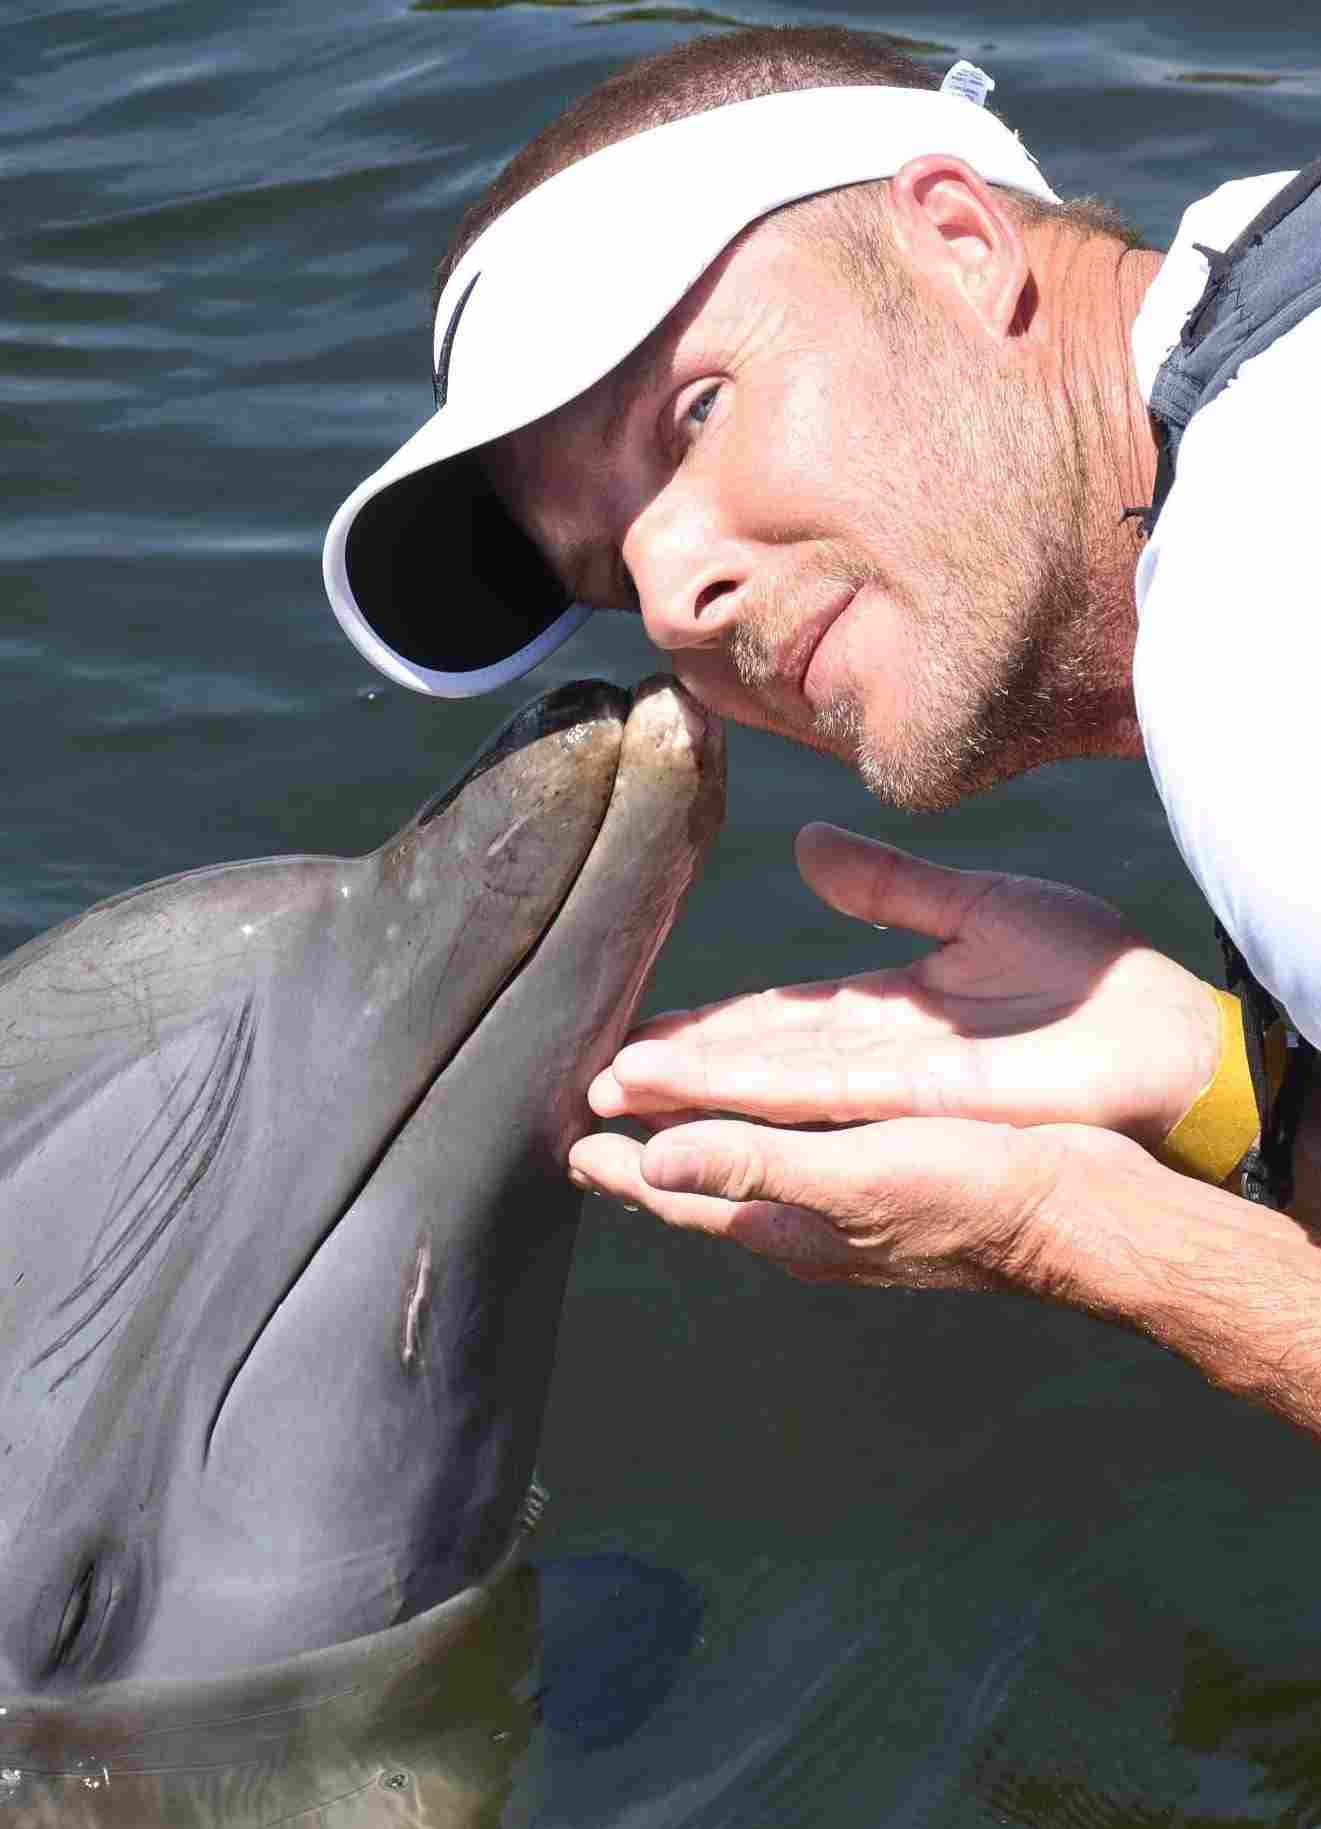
x=606 y=1163
x=606 y=1096
x=863 y=1180
x=611 y=1097
x=647 y=1078
x=786 y=1007
x=785 y=1086
x=892 y=1062
x=730 y=1161
x=799 y=1241
x=879 y=883
x=1057 y=1073
x=652 y=1112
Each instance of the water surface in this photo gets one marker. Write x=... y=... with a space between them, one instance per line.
x=960 y=1560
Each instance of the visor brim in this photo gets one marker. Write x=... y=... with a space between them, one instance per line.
x=437 y=586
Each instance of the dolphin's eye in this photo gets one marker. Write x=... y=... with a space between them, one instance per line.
x=101 y=1618
x=74 y=1619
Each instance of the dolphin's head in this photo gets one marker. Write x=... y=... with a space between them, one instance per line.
x=283 y=1219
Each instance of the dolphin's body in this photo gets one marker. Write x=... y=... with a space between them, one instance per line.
x=284 y=1230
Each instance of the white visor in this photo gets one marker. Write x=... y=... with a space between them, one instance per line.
x=427 y=574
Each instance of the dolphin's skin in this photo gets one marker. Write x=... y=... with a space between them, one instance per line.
x=423 y=1725
x=284 y=1230
x=420 y=1725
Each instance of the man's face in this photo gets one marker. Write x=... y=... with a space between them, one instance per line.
x=843 y=518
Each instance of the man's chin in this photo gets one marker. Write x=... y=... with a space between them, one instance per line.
x=907 y=792
x=933 y=778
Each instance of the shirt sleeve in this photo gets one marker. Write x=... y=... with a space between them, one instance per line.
x=1227 y=671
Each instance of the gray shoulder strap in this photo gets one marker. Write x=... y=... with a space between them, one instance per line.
x=1264 y=283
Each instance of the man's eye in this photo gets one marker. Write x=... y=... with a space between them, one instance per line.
x=698 y=409
x=684 y=414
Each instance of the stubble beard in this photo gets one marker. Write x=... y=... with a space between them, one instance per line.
x=1006 y=653
x=1001 y=662
x=1002 y=676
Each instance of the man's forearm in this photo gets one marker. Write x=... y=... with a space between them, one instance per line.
x=1231 y=1287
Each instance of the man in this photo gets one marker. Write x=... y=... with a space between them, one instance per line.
x=776 y=343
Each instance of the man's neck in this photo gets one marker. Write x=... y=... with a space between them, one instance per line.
x=1096 y=287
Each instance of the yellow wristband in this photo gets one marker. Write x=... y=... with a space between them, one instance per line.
x=1222 y=1123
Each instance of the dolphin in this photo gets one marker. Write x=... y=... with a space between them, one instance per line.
x=284 y=1233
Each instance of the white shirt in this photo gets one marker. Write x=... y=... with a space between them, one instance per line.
x=1227 y=672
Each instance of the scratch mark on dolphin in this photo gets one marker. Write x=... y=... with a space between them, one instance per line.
x=415 y=1307
x=506 y=837
x=216 y=1074
x=182 y=1173
x=82 y=1358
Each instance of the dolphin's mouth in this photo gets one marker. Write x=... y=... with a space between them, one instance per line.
x=567 y=708
x=567 y=712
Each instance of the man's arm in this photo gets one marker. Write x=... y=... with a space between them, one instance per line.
x=1231 y=1287
x=1044 y=1020
x=1070 y=1213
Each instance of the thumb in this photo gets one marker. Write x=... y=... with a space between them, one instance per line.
x=879 y=883
x=861 y=1174
x=936 y=1201
x=752 y=1162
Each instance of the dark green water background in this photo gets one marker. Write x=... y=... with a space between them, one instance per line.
x=961 y=1559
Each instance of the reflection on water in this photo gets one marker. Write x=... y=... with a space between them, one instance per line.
x=637 y=12
x=1245 y=79
x=960 y=1560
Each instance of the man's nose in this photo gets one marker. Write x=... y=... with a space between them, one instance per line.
x=691 y=575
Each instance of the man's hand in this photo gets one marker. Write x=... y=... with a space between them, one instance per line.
x=923 y=1202
x=1069 y=1212
x=1041 y=1012
x=1038 y=1006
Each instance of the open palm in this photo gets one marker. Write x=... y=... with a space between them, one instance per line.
x=1038 y=1005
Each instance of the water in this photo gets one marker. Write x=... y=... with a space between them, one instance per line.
x=960 y=1560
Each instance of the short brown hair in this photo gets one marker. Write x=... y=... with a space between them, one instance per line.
x=703 y=73
x=709 y=72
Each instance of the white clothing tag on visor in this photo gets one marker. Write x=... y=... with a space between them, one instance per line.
x=966 y=80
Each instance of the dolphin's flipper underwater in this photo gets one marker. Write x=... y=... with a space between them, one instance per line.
x=284 y=1228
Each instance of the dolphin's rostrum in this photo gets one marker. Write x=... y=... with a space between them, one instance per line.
x=284 y=1225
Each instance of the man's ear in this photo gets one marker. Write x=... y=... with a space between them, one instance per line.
x=957 y=233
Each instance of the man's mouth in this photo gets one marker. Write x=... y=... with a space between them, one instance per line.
x=762 y=681
x=795 y=662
